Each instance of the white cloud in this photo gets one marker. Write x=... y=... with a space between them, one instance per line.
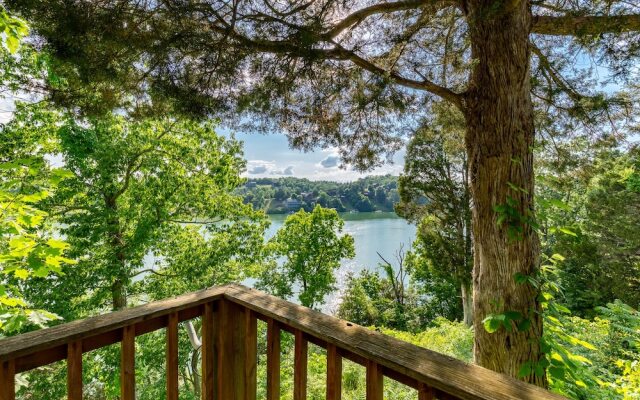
x=258 y=167
x=287 y=171
x=330 y=161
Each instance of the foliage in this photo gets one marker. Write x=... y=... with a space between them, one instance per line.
x=134 y=185
x=372 y=193
x=451 y=338
x=403 y=297
x=312 y=248
x=28 y=249
x=12 y=30
x=370 y=299
x=357 y=84
x=149 y=211
x=434 y=193
x=356 y=76
x=610 y=359
x=588 y=213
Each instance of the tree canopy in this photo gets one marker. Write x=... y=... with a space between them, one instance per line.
x=350 y=74
x=358 y=75
x=312 y=248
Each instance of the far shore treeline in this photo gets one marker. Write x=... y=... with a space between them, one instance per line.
x=289 y=194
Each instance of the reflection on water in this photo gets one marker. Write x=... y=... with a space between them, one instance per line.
x=372 y=232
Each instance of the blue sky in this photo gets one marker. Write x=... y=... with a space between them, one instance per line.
x=270 y=156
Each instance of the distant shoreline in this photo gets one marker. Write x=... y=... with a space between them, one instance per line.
x=347 y=216
x=281 y=196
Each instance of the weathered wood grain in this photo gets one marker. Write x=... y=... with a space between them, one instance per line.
x=172 y=357
x=444 y=373
x=250 y=363
x=208 y=351
x=300 y=359
x=236 y=352
x=334 y=373
x=74 y=371
x=375 y=381
x=273 y=360
x=7 y=380
x=127 y=363
x=425 y=392
x=43 y=339
x=433 y=374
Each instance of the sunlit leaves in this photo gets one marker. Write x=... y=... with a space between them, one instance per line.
x=26 y=250
x=12 y=30
x=312 y=247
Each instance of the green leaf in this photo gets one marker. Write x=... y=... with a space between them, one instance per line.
x=12 y=42
x=513 y=315
x=539 y=370
x=520 y=278
x=492 y=322
x=524 y=325
x=21 y=273
x=567 y=231
x=525 y=370
x=57 y=244
x=556 y=372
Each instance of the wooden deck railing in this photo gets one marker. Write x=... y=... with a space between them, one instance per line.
x=229 y=351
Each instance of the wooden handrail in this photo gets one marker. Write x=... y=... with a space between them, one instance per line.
x=229 y=347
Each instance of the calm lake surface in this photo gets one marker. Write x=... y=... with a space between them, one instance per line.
x=372 y=232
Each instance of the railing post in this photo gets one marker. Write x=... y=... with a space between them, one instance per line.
x=172 y=357
x=251 y=354
x=74 y=371
x=236 y=352
x=7 y=380
x=334 y=373
x=273 y=360
x=425 y=392
x=375 y=381
x=208 y=351
x=301 y=350
x=127 y=363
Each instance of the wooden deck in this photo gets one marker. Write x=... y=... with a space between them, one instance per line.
x=229 y=346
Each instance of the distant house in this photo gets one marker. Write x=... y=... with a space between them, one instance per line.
x=293 y=204
x=250 y=185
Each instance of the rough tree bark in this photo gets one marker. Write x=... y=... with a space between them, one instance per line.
x=499 y=138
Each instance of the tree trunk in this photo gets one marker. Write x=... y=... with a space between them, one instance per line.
x=118 y=294
x=499 y=140
x=119 y=274
x=466 y=292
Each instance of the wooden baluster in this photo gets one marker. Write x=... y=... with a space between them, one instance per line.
x=74 y=370
x=273 y=360
x=127 y=363
x=8 y=380
x=425 y=392
x=334 y=373
x=374 y=381
x=208 y=353
x=236 y=355
x=251 y=355
x=300 y=366
x=172 y=357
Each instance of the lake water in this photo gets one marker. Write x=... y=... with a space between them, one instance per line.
x=372 y=232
